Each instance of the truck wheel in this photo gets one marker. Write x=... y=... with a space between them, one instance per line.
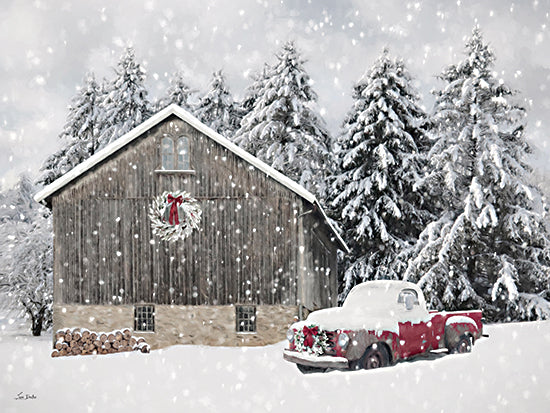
x=464 y=345
x=374 y=357
x=310 y=369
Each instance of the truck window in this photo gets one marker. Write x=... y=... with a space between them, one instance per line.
x=409 y=298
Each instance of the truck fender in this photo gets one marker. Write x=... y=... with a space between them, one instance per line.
x=361 y=340
x=458 y=326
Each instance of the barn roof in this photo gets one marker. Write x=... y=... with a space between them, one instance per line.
x=154 y=120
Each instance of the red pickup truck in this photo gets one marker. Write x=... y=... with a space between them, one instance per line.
x=380 y=323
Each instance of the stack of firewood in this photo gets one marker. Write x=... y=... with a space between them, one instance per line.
x=73 y=342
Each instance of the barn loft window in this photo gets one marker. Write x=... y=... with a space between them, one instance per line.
x=175 y=154
x=183 y=153
x=167 y=153
x=246 y=318
x=144 y=318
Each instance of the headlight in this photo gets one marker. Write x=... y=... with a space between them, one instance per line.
x=343 y=340
x=290 y=335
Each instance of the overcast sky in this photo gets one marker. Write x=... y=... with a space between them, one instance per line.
x=48 y=46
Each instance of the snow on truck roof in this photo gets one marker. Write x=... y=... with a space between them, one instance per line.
x=154 y=120
x=384 y=285
x=372 y=305
x=381 y=292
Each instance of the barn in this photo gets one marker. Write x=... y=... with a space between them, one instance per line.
x=263 y=254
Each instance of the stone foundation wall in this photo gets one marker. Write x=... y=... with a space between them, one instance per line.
x=93 y=317
x=207 y=325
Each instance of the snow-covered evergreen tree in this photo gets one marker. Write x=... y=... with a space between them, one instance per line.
x=490 y=246
x=254 y=90
x=283 y=129
x=124 y=104
x=79 y=135
x=217 y=108
x=380 y=158
x=26 y=255
x=178 y=92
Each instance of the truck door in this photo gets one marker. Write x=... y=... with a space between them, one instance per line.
x=414 y=338
x=414 y=325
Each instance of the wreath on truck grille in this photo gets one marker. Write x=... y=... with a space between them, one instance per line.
x=174 y=215
x=311 y=339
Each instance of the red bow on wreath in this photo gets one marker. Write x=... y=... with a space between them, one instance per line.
x=174 y=219
x=309 y=333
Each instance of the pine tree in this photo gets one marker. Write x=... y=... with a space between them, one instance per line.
x=124 y=104
x=178 y=92
x=217 y=108
x=79 y=135
x=380 y=158
x=489 y=247
x=283 y=130
x=254 y=91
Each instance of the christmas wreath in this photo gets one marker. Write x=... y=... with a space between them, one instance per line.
x=311 y=339
x=174 y=215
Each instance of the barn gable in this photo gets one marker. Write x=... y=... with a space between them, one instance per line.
x=264 y=241
x=174 y=110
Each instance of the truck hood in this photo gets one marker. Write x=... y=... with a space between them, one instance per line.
x=339 y=318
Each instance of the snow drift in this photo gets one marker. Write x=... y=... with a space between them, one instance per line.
x=507 y=372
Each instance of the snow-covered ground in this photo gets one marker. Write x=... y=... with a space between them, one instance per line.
x=507 y=372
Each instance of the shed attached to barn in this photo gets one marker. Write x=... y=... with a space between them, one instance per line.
x=264 y=252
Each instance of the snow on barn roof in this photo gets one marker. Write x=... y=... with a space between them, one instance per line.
x=173 y=109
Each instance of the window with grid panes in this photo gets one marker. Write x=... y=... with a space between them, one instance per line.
x=144 y=318
x=246 y=318
x=175 y=155
x=182 y=150
x=167 y=150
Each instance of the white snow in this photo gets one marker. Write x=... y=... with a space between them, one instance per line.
x=460 y=319
x=332 y=319
x=371 y=305
x=312 y=357
x=507 y=372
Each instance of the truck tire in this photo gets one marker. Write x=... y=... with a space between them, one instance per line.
x=464 y=345
x=375 y=356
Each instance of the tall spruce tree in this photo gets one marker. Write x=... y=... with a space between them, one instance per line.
x=490 y=246
x=124 y=104
x=283 y=130
x=178 y=92
x=380 y=158
x=79 y=135
x=254 y=91
x=217 y=108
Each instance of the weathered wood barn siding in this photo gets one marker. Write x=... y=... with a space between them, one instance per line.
x=259 y=242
